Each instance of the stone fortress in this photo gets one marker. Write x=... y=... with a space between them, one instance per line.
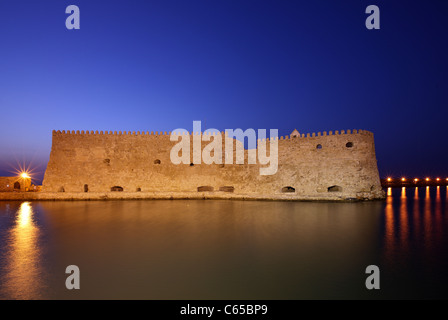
x=323 y=166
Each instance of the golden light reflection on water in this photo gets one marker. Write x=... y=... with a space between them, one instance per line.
x=24 y=216
x=416 y=213
x=438 y=214
x=23 y=278
x=398 y=218
x=404 y=225
x=413 y=216
x=414 y=239
x=427 y=215
x=389 y=212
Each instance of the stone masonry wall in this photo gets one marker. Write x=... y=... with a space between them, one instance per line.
x=7 y=184
x=318 y=166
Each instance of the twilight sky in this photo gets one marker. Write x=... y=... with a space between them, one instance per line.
x=158 y=65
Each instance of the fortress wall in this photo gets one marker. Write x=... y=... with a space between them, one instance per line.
x=101 y=161
x=8 y=184
x=105 y=160
x=334 y=164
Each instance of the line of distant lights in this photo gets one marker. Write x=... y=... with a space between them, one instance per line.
x=427 y=179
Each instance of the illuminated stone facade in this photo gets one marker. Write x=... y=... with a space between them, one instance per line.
x=11 y=184
x=323 y=166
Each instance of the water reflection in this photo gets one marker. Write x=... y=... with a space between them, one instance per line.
x=416 y=212
x=404 y=227
x=389 y=223
x=427 y=217
x=23 y=278
x=226 y=249
x=414 y=238
x=438 y=219
x=404 y=215
x=211 y=249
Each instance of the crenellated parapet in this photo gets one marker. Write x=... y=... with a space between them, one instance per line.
x=329 y=133
x=111 y=133
x=132 y=133
x=342 y=133
x=288 y=138
x=223 y=133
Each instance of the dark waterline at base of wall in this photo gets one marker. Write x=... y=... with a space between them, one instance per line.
x=80 y=196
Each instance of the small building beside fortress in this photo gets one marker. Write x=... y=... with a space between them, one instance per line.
x=11 y=184
x=323 y=166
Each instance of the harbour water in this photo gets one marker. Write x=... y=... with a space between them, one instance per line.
x=222 y=249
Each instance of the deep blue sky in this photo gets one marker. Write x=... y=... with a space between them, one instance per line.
x=159 y=65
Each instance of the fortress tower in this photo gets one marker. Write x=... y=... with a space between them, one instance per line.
x=323 y=166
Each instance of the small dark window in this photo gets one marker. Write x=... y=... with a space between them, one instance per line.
x=349 y=144
x=192 y=164
x=16 y=185
x=116 y=189
x=106 y=161
x=205 y=188
x=319 y=146
x=335 y=189
x=227 y=189
x=288 y=189
x=86 y=188
x=157 y=161
x=139 y=189
x=61 y=189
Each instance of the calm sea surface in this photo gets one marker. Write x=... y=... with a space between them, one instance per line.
x=227 y=249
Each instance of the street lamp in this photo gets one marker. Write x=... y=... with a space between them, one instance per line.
x=25 y=176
